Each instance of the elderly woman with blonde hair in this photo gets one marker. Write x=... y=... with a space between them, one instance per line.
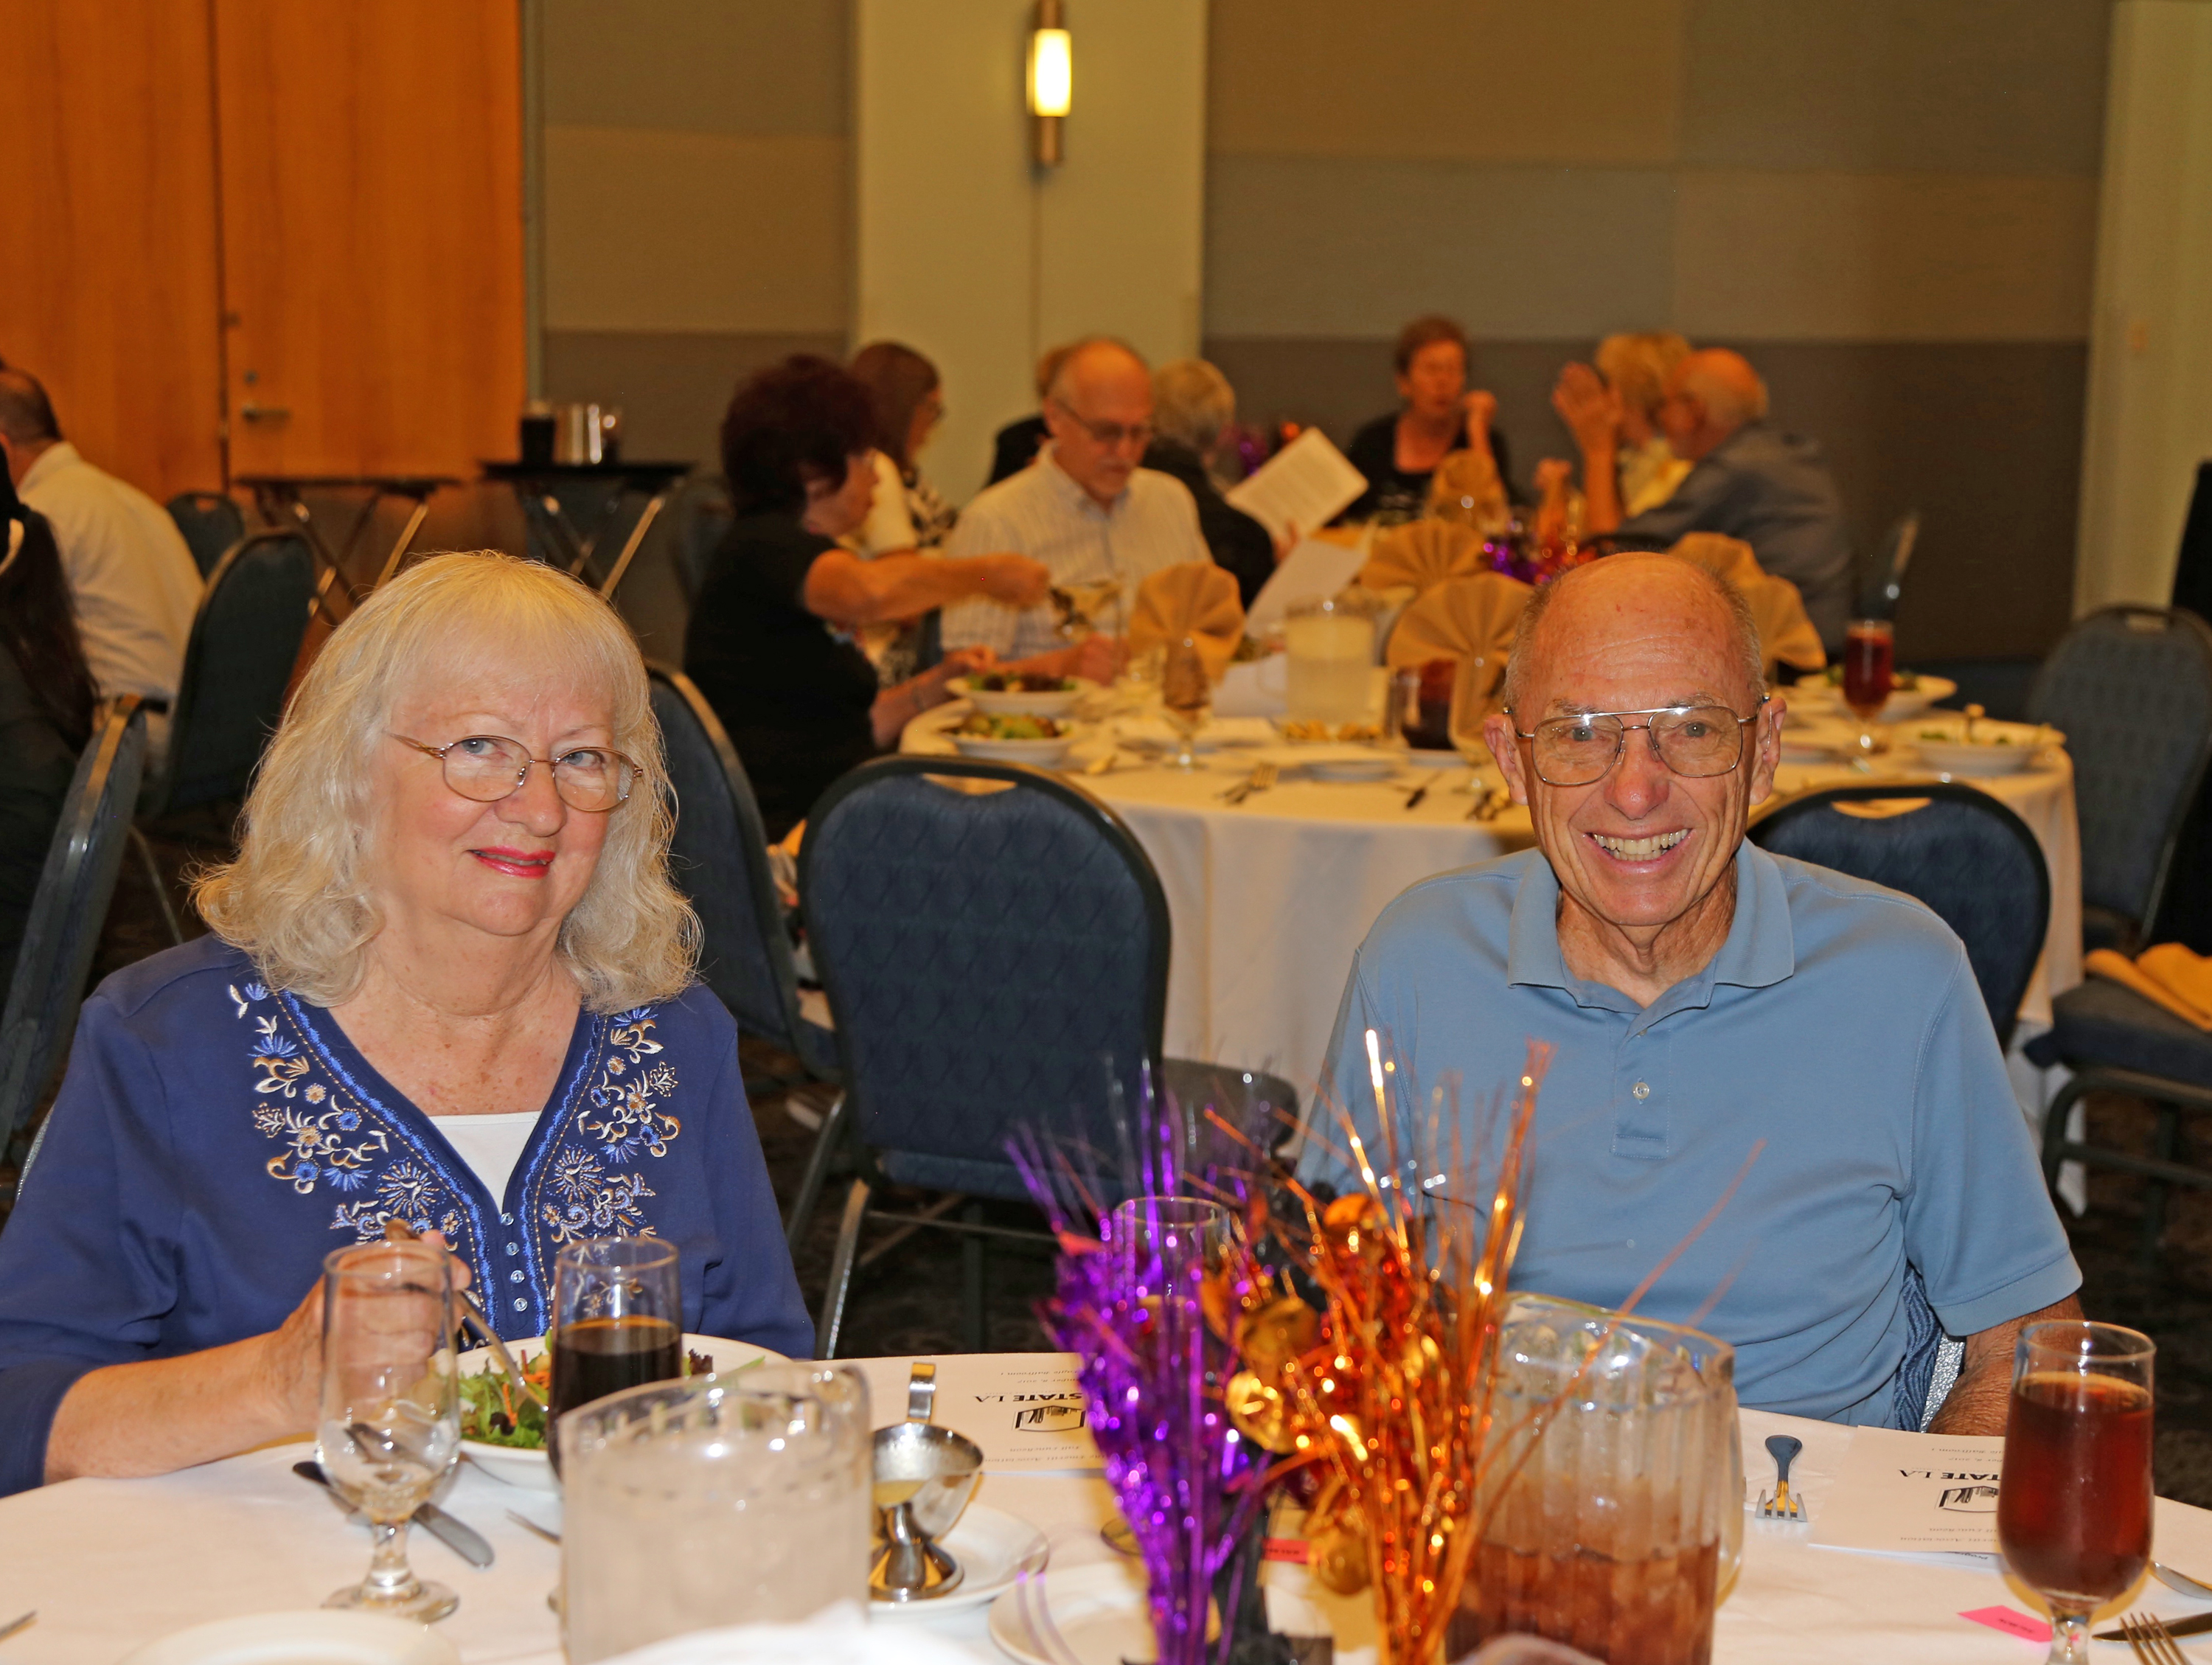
x=1623 y=395
x=449 y=984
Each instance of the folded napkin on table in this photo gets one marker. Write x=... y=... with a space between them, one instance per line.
x=2169 y=976
x=1786 y=636
x=1194 y=599
x=1467 y=619
x=1724 y=558
x=1421 y=555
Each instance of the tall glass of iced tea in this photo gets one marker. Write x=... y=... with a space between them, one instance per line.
x=1869 y=673
x=2074 y=1507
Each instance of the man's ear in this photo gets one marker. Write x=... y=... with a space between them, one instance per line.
x=1498 y=734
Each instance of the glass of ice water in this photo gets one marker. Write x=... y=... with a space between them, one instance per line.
x=390 y=1423
x=719 y=1500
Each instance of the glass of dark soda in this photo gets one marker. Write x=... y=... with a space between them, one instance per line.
x=618 y=1323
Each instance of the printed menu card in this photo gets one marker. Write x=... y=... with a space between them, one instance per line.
x=1025 y=1409
x=1897 y=1494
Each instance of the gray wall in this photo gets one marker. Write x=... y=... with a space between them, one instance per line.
x=1890 y=205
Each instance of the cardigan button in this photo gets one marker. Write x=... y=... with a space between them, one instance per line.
x=507 y=1219
x=515 y=1276
x=521 y=1305
x=514 y=1249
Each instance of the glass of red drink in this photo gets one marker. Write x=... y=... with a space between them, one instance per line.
x=618 y=1323
x=1869 y=660
x=2074 y=1506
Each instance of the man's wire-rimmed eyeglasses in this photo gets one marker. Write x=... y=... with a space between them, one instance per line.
x=1694 y=741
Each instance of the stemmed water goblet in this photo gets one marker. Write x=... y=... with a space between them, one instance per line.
x=389 y=1424
x=2074 y=1502
x=1186 y=696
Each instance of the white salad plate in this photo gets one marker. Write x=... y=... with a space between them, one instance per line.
x=1903 y=705
x=533 y=1470
x=317 y=1636
x=1098 y=1611
x=1997 y=748
x=991 y=1546
x=1058 y=702
x=1039 y=754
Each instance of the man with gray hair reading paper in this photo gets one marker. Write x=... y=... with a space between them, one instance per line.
x=1721 y=1017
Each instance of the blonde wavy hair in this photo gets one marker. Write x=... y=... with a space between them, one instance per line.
x=296 y=900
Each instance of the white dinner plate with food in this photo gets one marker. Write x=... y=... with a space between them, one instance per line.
x=1022 y=696
x=1098 y=1609
x=991 y=1546
x=1038 y=754
x=528 y=1465
x=1820 y=742
x=317 y=1636
x=1333 y=760
x=1907 y=699
x=1428 y=757
x=1152 y=733
x=1996 y=749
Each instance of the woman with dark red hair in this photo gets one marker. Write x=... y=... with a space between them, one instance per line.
x=770 y=642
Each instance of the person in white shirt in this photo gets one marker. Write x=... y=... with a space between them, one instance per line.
x=131 y=575
x=1086 y=509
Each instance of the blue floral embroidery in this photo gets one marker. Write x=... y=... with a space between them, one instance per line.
x=631 y=1117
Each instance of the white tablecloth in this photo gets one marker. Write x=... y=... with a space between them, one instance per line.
x=1270 y=898
x=111 y=1565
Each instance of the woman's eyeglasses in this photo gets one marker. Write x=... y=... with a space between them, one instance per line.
x=489 y=766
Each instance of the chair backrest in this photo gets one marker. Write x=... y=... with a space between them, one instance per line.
x=1971 y=860
x=2192 y=570
x=211 y=522
x=704 y=516
x=719 y=858
x=238 y=662
x=2132 y=689
x=984 y=953
x=69 y=910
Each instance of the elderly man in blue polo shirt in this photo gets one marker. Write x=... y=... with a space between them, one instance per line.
x=1705 y=997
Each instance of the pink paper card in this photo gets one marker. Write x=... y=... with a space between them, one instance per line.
x=2011 y=1621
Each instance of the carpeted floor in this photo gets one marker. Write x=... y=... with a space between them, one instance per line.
x=909 y=1302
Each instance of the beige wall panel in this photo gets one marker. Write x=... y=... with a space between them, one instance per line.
x=1548 y=81
x=658 y=230
x=1896 y=257
x=703 y=66
x=1309 y=247
x=1875 y=86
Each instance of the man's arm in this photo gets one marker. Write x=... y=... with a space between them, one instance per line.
x=1980 y=1399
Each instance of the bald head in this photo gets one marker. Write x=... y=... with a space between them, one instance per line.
x=1591 y=602
x=1099 y=408
x=1709 y=395
x=27 y=426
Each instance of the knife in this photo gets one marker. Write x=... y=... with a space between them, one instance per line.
x=464 y=1541
x=2203 y=1621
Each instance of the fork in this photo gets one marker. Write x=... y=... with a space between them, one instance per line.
x=1784 y=1504
x=2153 y=1643
x=14 y=1624
x=1261 y=778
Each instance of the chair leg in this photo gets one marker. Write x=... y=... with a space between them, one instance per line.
x=161 y=887
x=841 y=1271
x=817 y=1170
x=971 y=1269
x=2054 y=1129
x=2166 y=1146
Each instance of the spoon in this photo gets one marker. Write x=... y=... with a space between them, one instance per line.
x=2181 y=1581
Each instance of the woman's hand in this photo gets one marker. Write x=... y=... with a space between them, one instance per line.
x=1588 y=407
x=1481 y=407
x=1015 y=579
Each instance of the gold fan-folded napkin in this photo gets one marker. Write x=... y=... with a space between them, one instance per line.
x=1422 y=554
x=1197 y=599
x=1470 y=618
x=1724 y=558
x=1786 y=636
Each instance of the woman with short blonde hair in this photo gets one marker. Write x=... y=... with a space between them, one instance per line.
x=449 y=984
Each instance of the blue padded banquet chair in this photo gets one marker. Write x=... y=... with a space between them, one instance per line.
x=1977 y=867
x=2132 y=689
x=238 y=663
x=211 y=522
x=992 y=958
x=719 y=858
x=69 y=910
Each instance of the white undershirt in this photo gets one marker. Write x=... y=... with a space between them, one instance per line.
x=491 y=1144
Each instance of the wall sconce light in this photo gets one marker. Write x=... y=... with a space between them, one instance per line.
x=1051 y=80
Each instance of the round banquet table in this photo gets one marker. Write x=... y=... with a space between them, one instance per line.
x=1270 y=897
x=111 y=1565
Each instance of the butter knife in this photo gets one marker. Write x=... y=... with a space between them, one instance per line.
x=2201 y=1623
x=464 y=1541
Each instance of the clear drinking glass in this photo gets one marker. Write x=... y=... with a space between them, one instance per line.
x=1869 y=666
x=1186 y=694
x=1617 y=1515
x=2073 y=1504
x=717 y=1500
x=390 y=1425
x=618 y=1320
x=1331 y=644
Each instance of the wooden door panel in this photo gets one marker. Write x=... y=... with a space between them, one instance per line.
x=107 y=266
x=372 y=183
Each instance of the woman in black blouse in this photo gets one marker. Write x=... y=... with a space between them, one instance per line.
x=770 y=642
x=46 y=698
x=1398 y=453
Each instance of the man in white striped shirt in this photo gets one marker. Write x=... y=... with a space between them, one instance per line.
x=1084 y=509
